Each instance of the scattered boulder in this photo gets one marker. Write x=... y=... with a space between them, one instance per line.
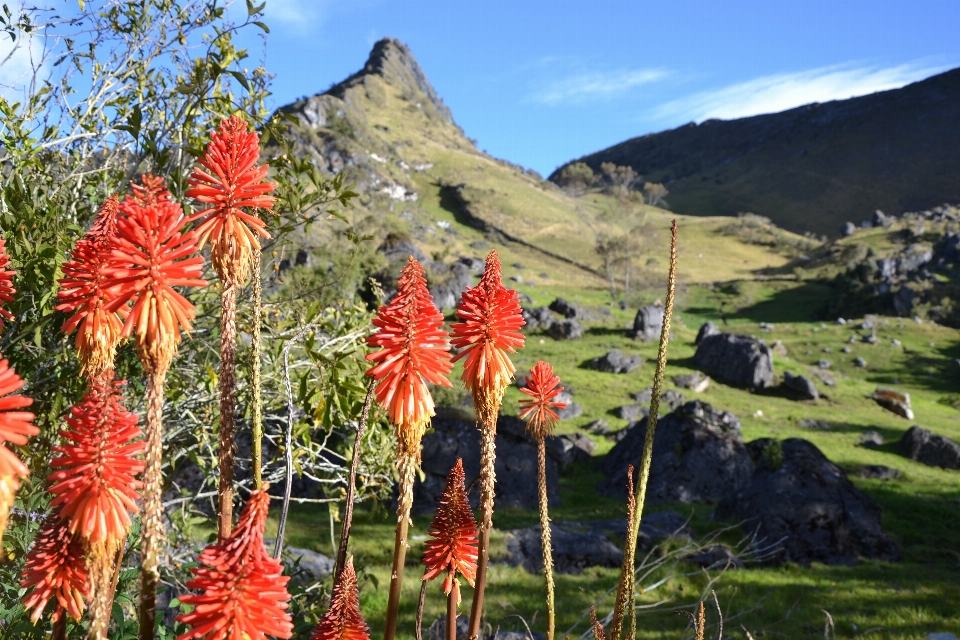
x=798 y=499
x=538 y=318
x=778 y=348
x=719 y=556
x=455 y=436
x=438 y=630
x=801 y=385
x=696 y=382
x=446 y=294
x=316 y=564
x=398 y=249
x=573 y=550
x=671 y=399
x=654 y=527
x=848 y=229
x=567 y=449
x=474 y=265
x=809 y=423
x=571 y=411
x=893 y=401
x=930 y=448
x=565 y=309
x=871 y=439
x=878 y=472
x=698 y=454
x=706 y=329
x=569 y=329
x=740 y=361
x=631 y=412
x=616 y=361
x=648 y=323
x=599 y=427
x=824 y=364
x=824 y=377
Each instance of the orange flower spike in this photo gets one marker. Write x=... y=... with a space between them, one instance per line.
x=15 y=427
x=343 y=621
x=414 y=351
x=228 y=180
x=150 y=256
x=83 y=294
x=538 y=410
x=6 y=282
x=55 y=571
x=453 y=544
x=490 y=330
x=244 y=590
x=96 y=486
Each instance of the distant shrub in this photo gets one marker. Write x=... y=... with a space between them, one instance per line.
x=575 y=178
x=759 y=230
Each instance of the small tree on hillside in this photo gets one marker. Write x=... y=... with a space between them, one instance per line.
x=655 y=193
x=576 y=178
x=619 y=179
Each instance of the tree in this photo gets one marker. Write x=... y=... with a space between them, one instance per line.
x=575 y=178
x=655 y=193
x=619 y=179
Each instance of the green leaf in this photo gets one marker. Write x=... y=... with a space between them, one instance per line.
x=253 y=10
x=263 y=26
x=240 y=78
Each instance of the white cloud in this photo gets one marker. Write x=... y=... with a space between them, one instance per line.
x=595 y=86
x=297 y=13
x=778 y=92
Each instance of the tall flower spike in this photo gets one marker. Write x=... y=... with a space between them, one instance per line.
x=15 y=427
x=244 y=589
x=414 y=351
x=55 y=571
x=228 y=181
x=454 y=538
x=83 y=294
x=538 y=410
x=343 y=621
x=490 y=331
x=6 y=282
x=151 y=256
x=95 y=485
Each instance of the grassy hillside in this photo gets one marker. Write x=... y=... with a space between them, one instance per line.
x=396 y=140
x=814 y=167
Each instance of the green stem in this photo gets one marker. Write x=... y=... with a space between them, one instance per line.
x=545 y=534
x=257 y=391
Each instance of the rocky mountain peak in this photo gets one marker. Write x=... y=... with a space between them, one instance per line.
x=392 y=60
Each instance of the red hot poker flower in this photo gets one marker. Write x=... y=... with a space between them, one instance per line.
x=6 y=282
x=151 y=256
x=542 y=387
x=414 y=351
x=489 y=332
x=228 y=181
x=55 y=571
x=83 y=294
x=453 y=544
x=15 y=427
x=244 y=590
x=343 y=621
x=96 y=486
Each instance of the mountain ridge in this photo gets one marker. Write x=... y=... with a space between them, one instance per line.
x=813 y=167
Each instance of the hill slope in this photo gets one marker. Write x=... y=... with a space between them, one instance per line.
x=814 y=167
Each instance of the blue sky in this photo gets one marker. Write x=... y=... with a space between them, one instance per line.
x=540 y=83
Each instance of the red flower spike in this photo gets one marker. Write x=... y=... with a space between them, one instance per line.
x=538 y=410
x=96 y=485
x=151 y=256
x=55 y=571
x=228 y=181
x=343 y=621
x=15 y=427
x=489 y=332
x=453 y=547
x=83 y=294
x=6 y=282
x=244 y=589
x=414 y=351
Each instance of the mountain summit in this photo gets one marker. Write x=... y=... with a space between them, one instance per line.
x=814 y=167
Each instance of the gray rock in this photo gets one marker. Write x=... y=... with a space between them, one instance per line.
x=718 y=556
x=696 y=381
x=930 y=448
x=455 y=435
x=893 y=401
x=824 y=377
x=399 y=249
x=806 y=503
x=654 y=527
x=848 y=229
x=573 y=551
x=878 y=472
x=778 y=348
x=565 y=309
x=820 y=425
x=904 y=300
x=567 y=449
x=631 y=412
x=698 y=454
x=616 y=361
x=598 y=427
x=569 y=329
x=438 y=630
x=475 y=265
x=648 y=323
x=801 y=385
x=740 y=361
x=706 y=329
x=847 y=350
x=316 y=564
x=572 y=410
x=871 y=439
x=824 y=364
x=669 y=399
x=941 y=635
x=538 y=318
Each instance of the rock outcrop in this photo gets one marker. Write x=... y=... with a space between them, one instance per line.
x=740 y=361
x=648 y=323
x=930 y=448
x=616 y=361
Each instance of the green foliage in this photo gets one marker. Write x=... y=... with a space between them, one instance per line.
x=753 y=229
